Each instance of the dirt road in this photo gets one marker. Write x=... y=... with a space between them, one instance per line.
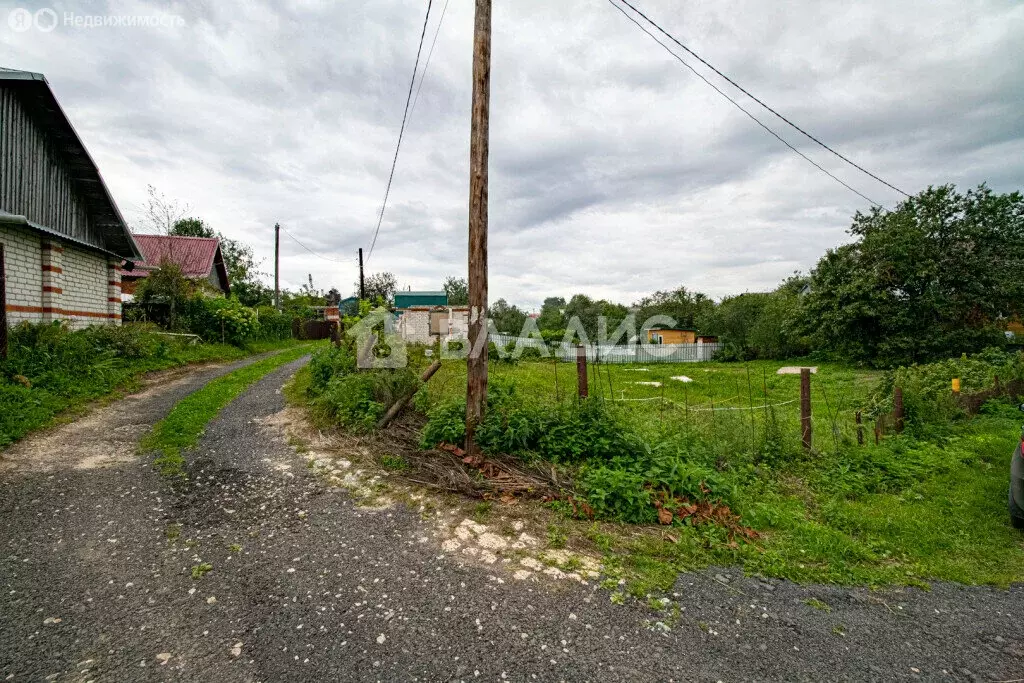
x=254 y=570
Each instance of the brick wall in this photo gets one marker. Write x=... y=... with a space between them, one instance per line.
x=23 y=260
x=49 y=279
x=85 y=287
x=414 y=325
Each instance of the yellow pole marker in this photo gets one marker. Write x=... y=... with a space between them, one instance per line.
x=956 y=385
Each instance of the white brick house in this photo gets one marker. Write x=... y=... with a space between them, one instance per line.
x=428 y=324
x=62 y=237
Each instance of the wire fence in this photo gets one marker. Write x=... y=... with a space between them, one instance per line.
x=614 y=353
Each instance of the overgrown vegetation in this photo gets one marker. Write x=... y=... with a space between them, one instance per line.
x=52 y=369
x=185 y=423
x=929 y=504
x=354 y=399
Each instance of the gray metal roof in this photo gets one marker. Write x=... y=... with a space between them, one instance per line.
x=40 y=99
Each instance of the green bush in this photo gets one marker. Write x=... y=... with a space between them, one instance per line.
x=446 y=423
x=348 y=400
x=927 y=389
x=271 y=325
x=358 y=399
x=329 y=362
x=51 y=368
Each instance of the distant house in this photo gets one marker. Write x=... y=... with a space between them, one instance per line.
x=199 y=258
x=425 y=317
x=672 y=336
x=62 y=237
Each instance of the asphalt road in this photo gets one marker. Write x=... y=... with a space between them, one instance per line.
x=254 y=570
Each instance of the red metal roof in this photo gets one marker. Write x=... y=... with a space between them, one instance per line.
x=194 y=255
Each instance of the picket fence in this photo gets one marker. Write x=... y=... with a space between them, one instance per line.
x=622 y=353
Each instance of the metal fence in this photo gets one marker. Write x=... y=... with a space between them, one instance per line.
x=623 y=353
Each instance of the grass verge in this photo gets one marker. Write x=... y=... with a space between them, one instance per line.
x=185 y=423
x=54 y=374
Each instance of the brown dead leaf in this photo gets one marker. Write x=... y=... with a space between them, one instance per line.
x=664 y=516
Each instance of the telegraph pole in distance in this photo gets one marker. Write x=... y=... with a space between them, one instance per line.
x=476 y=363
x=277 y=266
x=362 y=283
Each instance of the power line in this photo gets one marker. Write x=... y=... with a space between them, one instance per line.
x=742 y=109
x=430 y=53
x=759 y=101
x=325 y=258
x=401 y=131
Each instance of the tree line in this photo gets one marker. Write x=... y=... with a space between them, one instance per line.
x=940 y=275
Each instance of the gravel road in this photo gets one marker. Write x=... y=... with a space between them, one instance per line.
x=254 y=570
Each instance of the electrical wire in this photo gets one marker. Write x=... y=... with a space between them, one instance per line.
x=325 y=258
x=759 y=101
x=742 y=109
x=430 y=53
x=401 y=131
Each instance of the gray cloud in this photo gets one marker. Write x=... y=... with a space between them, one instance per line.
x=614 y=170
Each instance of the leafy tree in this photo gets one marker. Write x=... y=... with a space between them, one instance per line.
x=457 y=290
x=931 y=279
x=166 y=285
x=192 y=227
x=382 y=286
x=551 y=317
x=508 y=319
x=683 y=306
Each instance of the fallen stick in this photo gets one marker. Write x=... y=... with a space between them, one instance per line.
x=394 y=410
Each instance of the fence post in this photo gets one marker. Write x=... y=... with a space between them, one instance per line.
x=805 y=406
x=897 y=404
x=581 y=370
x=860 y=430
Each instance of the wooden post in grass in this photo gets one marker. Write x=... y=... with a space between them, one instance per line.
x=394 y=410
x=558 y=393
x=897 y=408
x=805 y=407
x=860 y=430
x=581 y=370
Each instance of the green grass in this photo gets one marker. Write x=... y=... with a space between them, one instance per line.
x=185 y=423
x=39 y=392
x=908 y=511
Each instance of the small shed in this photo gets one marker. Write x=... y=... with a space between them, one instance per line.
x=672 y=336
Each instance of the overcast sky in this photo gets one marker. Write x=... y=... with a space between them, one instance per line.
x=614 y=171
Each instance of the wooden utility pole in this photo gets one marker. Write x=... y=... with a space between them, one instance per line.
x=476 y=361
x=362 y=283
x=805 y=406
x=277 y=266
